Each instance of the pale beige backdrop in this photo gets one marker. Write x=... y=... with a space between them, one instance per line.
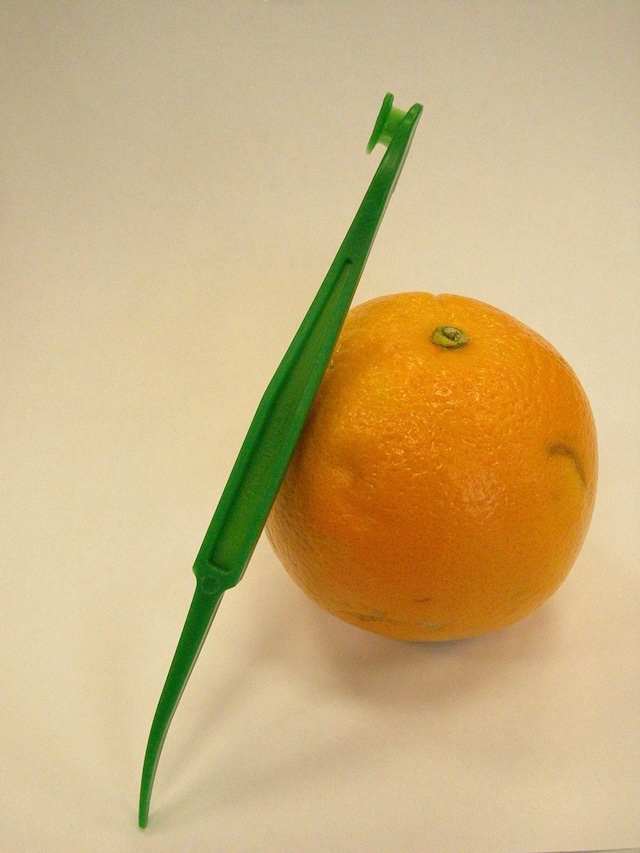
x=175 y=180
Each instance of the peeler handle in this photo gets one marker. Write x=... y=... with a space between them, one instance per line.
x=272 y=437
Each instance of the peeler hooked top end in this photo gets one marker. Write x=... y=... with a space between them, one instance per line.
x=389 y=119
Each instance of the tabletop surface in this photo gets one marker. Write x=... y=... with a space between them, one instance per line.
x=175 y=181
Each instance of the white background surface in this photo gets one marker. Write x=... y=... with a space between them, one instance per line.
x=176 y=178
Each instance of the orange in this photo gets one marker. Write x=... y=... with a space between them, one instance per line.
x=446 y=476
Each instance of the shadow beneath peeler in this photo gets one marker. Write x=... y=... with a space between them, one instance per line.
x=303 y=694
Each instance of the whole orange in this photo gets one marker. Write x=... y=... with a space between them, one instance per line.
x=446 y=476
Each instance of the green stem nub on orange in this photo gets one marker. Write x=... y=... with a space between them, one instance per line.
x=449 y=337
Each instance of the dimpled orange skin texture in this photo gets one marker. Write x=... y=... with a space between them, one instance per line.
x=438 y=493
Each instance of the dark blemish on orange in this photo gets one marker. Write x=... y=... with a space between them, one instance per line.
x=561 y=449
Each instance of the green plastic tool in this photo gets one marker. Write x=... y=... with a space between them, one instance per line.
x=274 y=432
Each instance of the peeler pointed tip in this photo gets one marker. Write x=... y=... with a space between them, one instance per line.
x=143 y=808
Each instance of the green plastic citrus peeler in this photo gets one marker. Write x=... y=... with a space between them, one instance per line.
x=274 y=432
